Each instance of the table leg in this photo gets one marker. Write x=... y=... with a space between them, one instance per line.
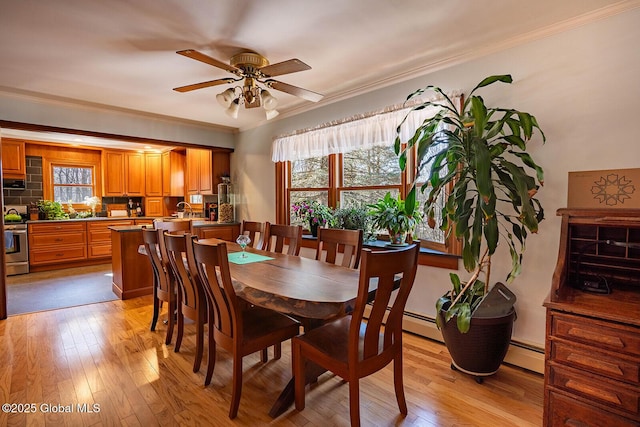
x=286 y=398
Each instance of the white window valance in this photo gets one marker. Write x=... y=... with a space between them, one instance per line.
x=355 y=133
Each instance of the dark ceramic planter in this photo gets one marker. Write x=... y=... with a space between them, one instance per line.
x=480 y=351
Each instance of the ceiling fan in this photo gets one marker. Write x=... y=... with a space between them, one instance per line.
x=252 y=69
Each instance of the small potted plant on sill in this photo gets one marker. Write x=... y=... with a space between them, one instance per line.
x=354 y=218
x=399 y=217
x=479 y=160
x=313 y=213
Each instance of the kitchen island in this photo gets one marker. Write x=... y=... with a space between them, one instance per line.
x=132 y=273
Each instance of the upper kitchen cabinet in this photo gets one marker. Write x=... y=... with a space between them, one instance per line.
x=124 y=173
x=173 y=174
x=13 y=159
x=204 y=169
x=153 y=172
x=199 y=174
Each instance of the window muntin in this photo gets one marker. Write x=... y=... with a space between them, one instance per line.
x=72 y=183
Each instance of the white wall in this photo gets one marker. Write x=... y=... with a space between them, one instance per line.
x=582 y=86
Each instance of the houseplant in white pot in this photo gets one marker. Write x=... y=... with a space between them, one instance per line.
x=478 y=158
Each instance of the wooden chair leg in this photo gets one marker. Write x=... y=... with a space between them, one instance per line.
x=277 y=351
x=398 y=384
x=199 y=345
x=264 y=356
x=354 y=402
x=171 y=320
x=180 y=325
x=299 y=375
x=156 y=306
x=236 y=388
x=211 y=357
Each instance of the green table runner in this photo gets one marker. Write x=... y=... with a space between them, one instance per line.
x=236 y=258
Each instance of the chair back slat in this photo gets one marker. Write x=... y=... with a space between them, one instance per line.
x=257 y=232
x=151 y=238
x=213 y=268
x=279 y=234
x=383 y=268
x=176 y=247
x=172 y=225
x=331 y=240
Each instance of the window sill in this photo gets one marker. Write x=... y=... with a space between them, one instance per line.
x=428 y=257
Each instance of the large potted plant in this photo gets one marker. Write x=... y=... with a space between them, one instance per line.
x=399 y=217
x=479 y=160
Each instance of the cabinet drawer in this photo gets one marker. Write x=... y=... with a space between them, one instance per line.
x=596 y=362
x=599 y=334
x=565 y=411
x=59 y=254
x=104 y=225
x=100 y=250
x=38 y=241
x=56 y=227
x=617 y=396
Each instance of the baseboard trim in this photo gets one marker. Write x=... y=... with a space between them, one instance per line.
x=519 y=354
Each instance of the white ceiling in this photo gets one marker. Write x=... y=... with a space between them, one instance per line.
x=121 y=53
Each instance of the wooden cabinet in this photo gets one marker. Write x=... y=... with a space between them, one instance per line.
x=153 y=174
x=592 y=352
x=57 y=242
x=13 y=159
x=173 y=174
x=154 y=206
x=99 y=237
x=132 y=274
x=124 y=173
x=199 y=178
x=227 y=232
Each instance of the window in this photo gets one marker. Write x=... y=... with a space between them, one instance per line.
x=352 y=162
x=72 y=183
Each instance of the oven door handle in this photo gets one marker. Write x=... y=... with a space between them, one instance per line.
x=18 y=231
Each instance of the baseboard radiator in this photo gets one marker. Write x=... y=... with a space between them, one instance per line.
x=519 y=354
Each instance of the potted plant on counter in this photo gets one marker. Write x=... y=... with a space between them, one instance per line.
x=399 y=217
x=479 y=160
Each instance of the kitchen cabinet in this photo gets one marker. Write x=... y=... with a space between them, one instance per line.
x=592 y=351
x=132 y=273
x=124 y=173
x=99 y=237
x=154 y=206
x=56 y=243
x=173 y=174
x=199 y=175
x=153 y=174
x=13 y=159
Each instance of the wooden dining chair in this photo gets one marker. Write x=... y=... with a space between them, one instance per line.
x=257 y=232
x=234 y=327
x=353 y=348
x=191 y=301
x=163 y=282
x=279 y=234
x=330 y=240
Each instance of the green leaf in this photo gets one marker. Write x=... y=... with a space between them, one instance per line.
x=482 y=164
x=410 y=202
x=491 y=234
x=464 y=318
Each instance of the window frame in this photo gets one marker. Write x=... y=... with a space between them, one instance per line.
x=48 y=181
x=451 y=246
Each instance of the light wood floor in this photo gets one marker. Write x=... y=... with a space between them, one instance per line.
x=105 y=354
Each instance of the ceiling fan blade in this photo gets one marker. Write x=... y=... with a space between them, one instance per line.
x=294 y=90
x=285 y=67
x=210 y=83
x=194 y=54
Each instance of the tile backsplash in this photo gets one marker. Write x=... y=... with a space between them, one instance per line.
x=33 y=183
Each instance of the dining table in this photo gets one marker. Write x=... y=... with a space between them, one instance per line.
x=307 y=289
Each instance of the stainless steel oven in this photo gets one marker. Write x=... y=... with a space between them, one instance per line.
x=16 y=245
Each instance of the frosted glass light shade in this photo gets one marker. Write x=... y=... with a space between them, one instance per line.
x=269 y=102
x=226 y=98
x=233 y=109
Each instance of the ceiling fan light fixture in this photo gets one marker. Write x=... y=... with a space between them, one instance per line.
x=226 y=98
x=271 y=114
x=269 y=102
x=233 y=109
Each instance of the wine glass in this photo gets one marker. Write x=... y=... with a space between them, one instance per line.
x=243 y=240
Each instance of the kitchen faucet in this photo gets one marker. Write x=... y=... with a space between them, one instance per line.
x=186 y=205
